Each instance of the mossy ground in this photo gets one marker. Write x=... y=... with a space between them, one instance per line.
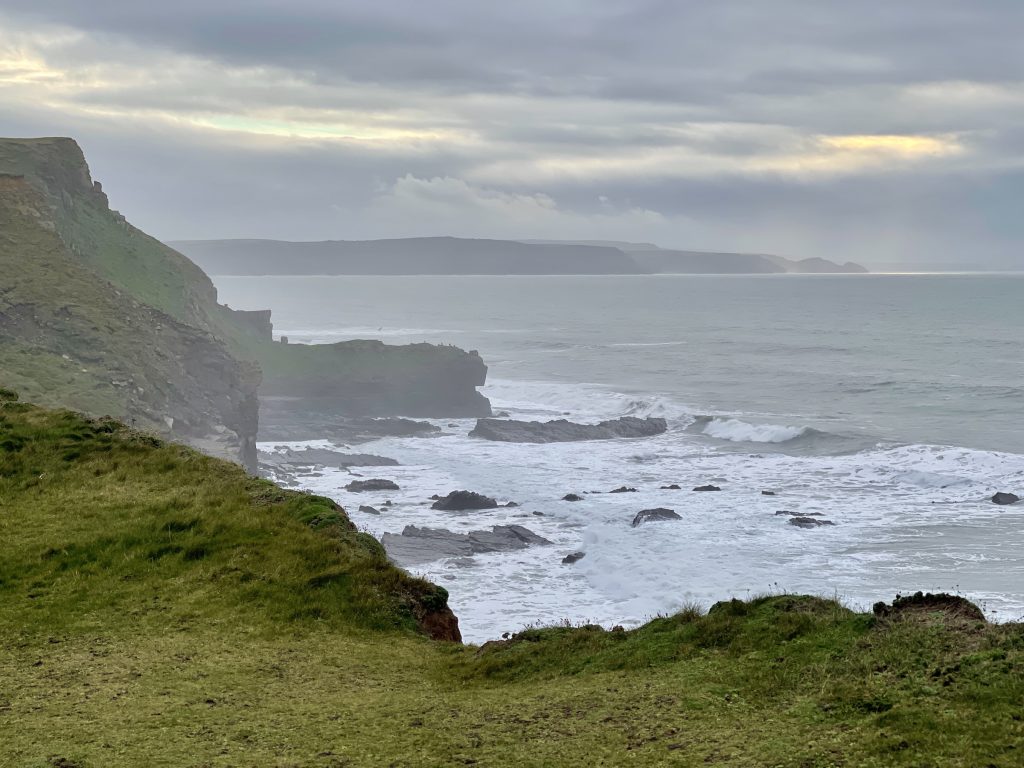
x=158 y=607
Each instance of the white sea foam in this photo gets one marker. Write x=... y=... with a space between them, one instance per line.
x=737 y=431
x=907 y=518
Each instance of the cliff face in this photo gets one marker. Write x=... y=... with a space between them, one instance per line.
x=98 y=316
x=70 y=338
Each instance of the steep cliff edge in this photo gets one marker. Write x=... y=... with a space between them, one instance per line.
x=68 y=337
x=99 y=316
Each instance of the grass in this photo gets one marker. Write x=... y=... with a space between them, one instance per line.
x=159 y=607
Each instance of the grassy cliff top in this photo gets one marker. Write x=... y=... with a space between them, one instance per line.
x=158 y=607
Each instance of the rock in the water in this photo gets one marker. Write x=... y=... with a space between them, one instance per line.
x=575 y=557
x=798 y=514
x=572 y=497
x=511 y=504
x=767 y=493
x=1004 y=499
x=673 y=487
x=377 y=484
x=562 y=431
x=325 y=458
x=707 y=488
x=422 y=545
x=804 y=521
x=622 y=489
x=653 y=515
x=368 y=509
x=457 y=501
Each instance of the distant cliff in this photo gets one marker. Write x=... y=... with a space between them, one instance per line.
x=458 y=256
x=97 y=316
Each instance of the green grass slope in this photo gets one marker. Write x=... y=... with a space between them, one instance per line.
x=159 y=607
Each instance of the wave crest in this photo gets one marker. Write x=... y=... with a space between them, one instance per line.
x=737 y=431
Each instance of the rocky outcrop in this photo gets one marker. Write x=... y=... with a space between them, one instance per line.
x=654 y=515
x=323 y=457
x=460 y=501
x=415 y=545
x=563 y=431
x=921 y=604
x=706 y=488
x=377 y=484
x=370 y=378
x=573 y=557
x=1005 y=499
x=805 y=521
x=572 y=497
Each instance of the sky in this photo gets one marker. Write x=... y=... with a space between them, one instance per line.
x=888 y=133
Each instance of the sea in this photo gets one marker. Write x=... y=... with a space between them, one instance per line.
x=891 y=405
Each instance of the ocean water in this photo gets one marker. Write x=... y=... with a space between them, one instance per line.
x=891 y=404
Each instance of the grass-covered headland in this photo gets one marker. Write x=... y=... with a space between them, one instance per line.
x=159 y=607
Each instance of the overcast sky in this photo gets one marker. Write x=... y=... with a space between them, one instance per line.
x=890 y=133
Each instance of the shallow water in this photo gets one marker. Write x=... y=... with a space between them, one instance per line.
x=893 y=405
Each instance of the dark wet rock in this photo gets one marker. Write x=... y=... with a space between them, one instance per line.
x=511 y=504
x=325 y=458
x=388 y=503
x=539 y=514
x=673 y=487
x=368 y=509
x=767 y=493
x=435 y=497
x=1003 y=499
x=377 y=484
x=457 y=501
x=622 y=489
x=575 y=557
x=805 y=521
x=289 y=418
x=951 y=606
x=562 y=431
x=572 y=497
x=422 y=545
x=654 y=515
x=707 y=488
x=798 y=514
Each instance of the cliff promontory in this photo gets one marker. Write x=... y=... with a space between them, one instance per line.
x=98 y=316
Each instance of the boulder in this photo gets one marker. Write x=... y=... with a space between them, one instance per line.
x=1003 y=499
x=511 y=504
x=804 y=521
x=457 y=501
x=767 y=493
x=369 y=510
x=622 y=489
x=572 y=497
x=653 y=515
x=707 y=488
x=798 y=514
x=377 y=484
x=563 y=431
x=673 y=487
x=422 y=545
x=575 y=557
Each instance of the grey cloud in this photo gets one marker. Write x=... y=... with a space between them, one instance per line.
x=520 y=84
